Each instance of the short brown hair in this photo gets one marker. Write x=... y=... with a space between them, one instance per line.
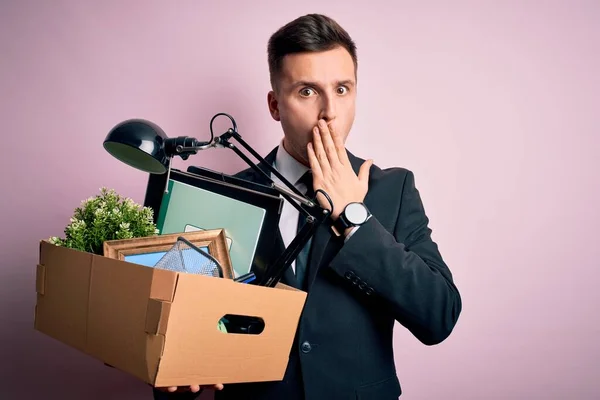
x=309 y=33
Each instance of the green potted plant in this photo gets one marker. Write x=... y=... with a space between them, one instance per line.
x=107 y=216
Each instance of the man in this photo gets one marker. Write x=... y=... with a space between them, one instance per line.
x=380 y=267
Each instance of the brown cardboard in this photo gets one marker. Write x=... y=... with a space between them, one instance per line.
x=161 y=326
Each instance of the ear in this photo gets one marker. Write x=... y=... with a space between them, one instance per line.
x=273 y=105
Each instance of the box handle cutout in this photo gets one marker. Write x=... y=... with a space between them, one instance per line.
x=241 y=324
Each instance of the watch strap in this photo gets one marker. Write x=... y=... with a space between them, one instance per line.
x=342 y=223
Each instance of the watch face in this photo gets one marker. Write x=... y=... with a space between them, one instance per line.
x=356 y=213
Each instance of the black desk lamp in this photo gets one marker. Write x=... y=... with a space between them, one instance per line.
x=144 y=145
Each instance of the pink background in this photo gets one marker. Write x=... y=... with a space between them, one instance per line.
x=494 y=105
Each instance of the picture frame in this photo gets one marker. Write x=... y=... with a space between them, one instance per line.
x=150 y=249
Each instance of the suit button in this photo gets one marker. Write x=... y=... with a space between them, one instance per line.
x=369 y=291
x=306 y=347
x=349 y=275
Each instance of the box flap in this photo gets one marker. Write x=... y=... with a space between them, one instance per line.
x=196 y=351
x=122 y=309
x=157 y=316
x=163 y=284
x=40 y=279
x=62 y=285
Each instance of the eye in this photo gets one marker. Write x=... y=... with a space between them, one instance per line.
x=306 y=92
x=342 y=90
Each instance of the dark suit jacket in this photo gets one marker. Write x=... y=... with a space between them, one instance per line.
x=389 y=270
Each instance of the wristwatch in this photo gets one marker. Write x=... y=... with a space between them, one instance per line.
x=354 y=214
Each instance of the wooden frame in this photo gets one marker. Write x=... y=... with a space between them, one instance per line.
x=214 y=239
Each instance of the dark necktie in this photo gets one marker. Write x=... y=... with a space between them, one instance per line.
x=302 y=259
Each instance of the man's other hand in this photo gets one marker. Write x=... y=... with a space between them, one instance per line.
x=192 y=388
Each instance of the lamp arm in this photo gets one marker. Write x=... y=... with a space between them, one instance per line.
x=315 y=214
x=232 y=133
x=288 y=194
x=192 y=146
x=275 y=271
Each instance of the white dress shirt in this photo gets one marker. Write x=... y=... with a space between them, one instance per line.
x=292 y=170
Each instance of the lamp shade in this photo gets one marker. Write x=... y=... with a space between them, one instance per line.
x=140 y=144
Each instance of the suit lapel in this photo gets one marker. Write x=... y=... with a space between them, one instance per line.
x=320 y=242
x=289 y=278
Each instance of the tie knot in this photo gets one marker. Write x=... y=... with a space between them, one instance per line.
x=307 y=180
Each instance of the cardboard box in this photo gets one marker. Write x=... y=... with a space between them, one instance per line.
x=161 y=326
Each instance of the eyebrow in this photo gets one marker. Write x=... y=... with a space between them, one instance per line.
x=346 y=82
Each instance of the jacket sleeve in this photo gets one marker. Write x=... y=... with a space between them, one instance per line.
x=403 y=271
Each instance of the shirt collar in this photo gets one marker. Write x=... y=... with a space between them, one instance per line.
x=288 y=166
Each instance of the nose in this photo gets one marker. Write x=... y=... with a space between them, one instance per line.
x=328 y=109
